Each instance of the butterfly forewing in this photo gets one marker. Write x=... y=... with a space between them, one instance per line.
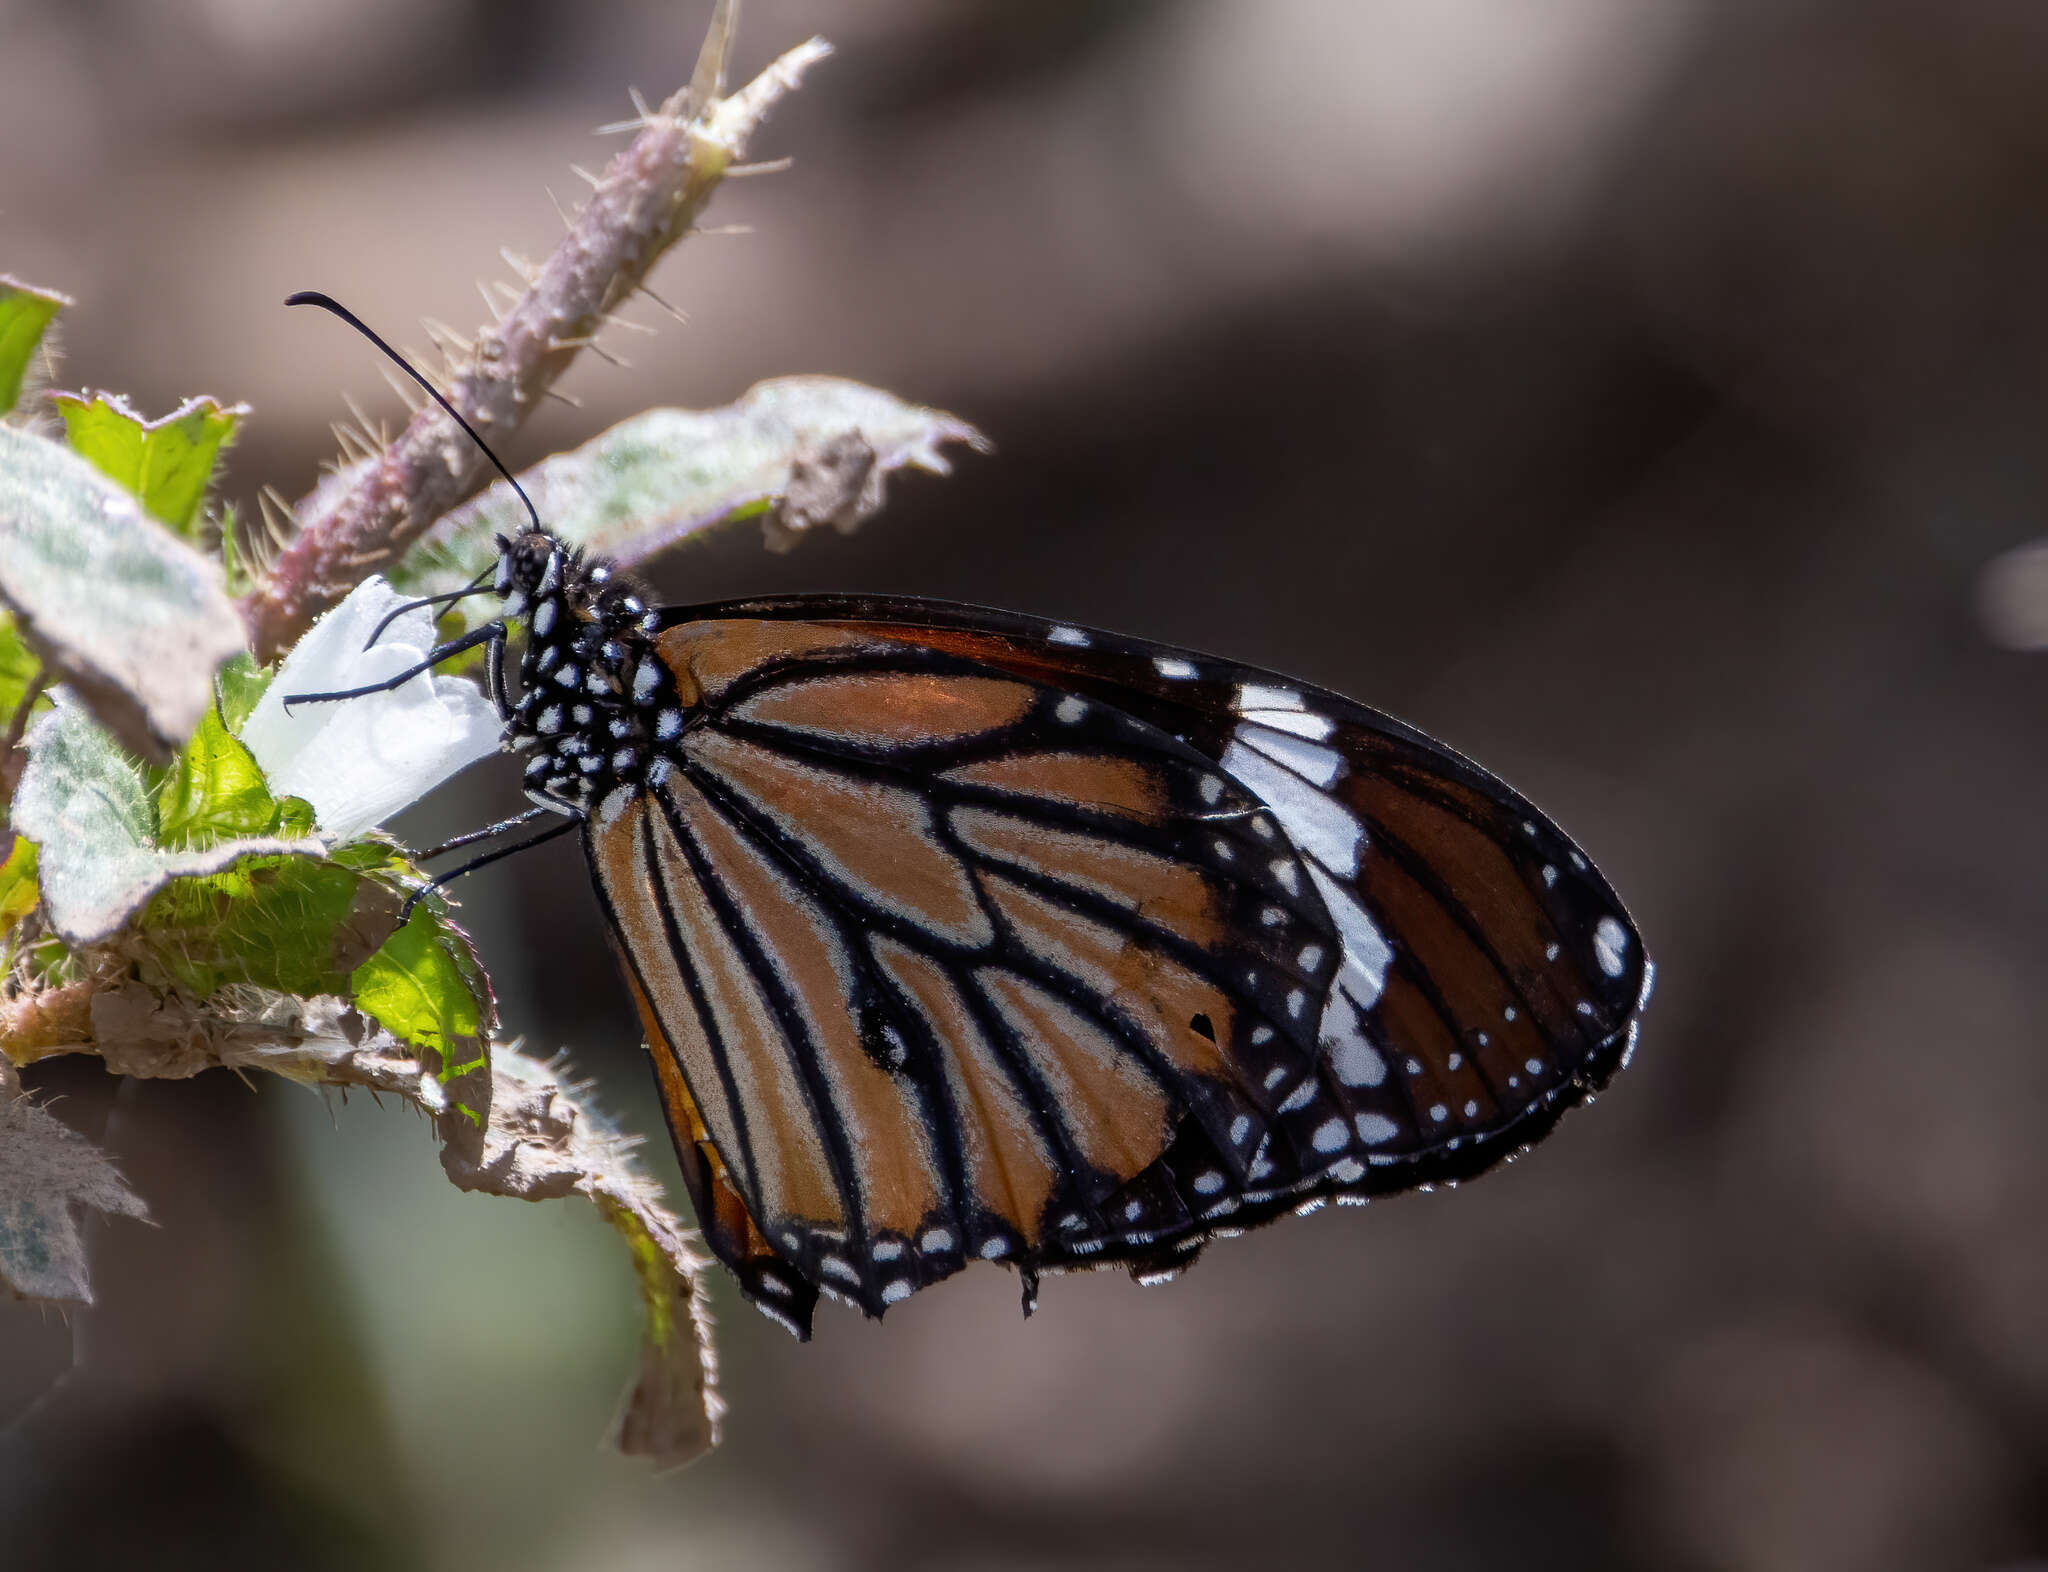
x=966 y=935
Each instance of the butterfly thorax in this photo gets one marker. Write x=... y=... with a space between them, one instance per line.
x=596 y=703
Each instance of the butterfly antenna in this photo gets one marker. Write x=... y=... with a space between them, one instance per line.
x=313 y=297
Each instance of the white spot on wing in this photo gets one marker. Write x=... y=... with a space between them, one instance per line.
x=1173 y=669
x=1366 y=951
x=1251 y=696
x=1302 y=723
x=1610 y=946
x=1066 y=635
x=1071 y=710
x=1310 y=760
x=1374 y=1128
x=1356 y=1061
x=1318 y=825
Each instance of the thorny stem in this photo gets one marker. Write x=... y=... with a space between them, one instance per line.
x=649 y=197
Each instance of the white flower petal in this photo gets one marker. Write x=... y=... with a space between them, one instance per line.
x=358 y=761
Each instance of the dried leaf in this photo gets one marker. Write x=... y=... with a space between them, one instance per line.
x=48 y=1173
x=796 y=452
x=510 y=1126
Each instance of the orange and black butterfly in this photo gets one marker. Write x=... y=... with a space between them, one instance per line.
x=960 y=935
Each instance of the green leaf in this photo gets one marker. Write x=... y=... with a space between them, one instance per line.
x=83 y=802
x=25 y=314
x=19 y=891
x=296 y=925
x=423 y=987
x=166 y=463
x=215 y=791
x=131 y=617
x=19 y=669
x=240 y=572
x=237 y=686
x=295 y=816
x=796 y=452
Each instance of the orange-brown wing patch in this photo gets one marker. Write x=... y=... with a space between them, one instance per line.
x=792 y=1167
x=876 y=1111
x=706 y=658
x=890 y=709
x=627 y=881
x=1138 y=980
x=1010 y=1170
x=1161 y=889
x=1118 y=1116
x=878 y=837
x=1091 y=782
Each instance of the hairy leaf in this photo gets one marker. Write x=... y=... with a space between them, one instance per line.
x=85 y=806
x=167 y=463
x=797 y=452
x=133 y=618
x=25 y=315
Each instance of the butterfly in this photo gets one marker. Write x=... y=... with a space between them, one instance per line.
x=960 y=935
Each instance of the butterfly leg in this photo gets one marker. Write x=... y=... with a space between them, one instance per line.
x=443 y=880
x=473 y=836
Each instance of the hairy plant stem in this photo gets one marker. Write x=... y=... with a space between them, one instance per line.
x=649 y=197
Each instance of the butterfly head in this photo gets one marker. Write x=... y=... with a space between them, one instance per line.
x=524 y=561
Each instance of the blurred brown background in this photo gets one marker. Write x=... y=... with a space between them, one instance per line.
x=1628 y=391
